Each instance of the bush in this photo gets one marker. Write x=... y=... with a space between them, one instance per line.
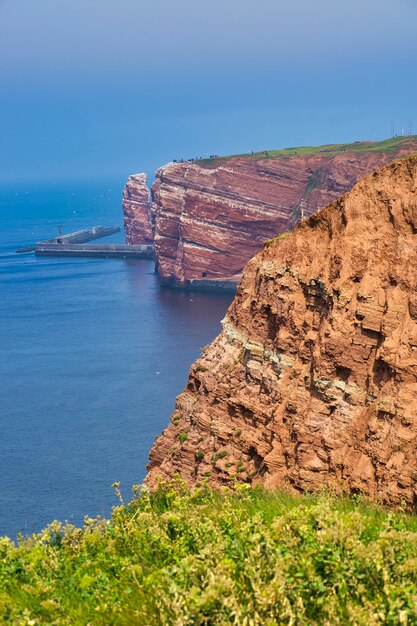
x=219 y=455
x=248 y=557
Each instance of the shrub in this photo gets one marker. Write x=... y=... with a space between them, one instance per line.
x=219 y=455
x=245 y=557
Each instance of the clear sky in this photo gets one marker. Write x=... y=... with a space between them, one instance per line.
x=101 y=88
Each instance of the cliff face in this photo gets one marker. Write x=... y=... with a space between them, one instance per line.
x=137 y=210
x=210 y=218
x=313 y=379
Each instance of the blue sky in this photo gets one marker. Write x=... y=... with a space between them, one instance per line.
x=105 y=88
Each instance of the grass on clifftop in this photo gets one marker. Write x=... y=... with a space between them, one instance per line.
x=247 y=558
x=388 y=145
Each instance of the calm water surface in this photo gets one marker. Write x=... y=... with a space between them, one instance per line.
x=92 y=355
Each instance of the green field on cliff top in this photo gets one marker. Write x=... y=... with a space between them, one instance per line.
x=388 y=145
x=248 y=558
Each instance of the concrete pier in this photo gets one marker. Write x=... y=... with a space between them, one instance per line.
x=72 y=244
x=106 y=251
x=87 y=234
x=79 y=236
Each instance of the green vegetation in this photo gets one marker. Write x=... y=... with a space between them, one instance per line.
x=243 y=558
x=201 y=368
x=219 y=455
x=183 y=436
x=388 y=145
x=222 y=454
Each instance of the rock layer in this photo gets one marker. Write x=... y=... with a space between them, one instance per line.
x=211 y=217
x=313 y=379
x=137 y=211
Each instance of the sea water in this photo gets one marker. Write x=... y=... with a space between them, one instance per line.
x=92 y=355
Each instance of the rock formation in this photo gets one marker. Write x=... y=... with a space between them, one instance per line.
x=210 y=217
x=137 y=210
x=313 y=380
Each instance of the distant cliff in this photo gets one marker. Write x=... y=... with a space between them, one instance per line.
x=210 y=217
x=313 y=380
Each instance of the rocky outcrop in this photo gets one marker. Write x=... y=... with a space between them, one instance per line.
x=313 y=380
x=137 y=210
x=210 y=217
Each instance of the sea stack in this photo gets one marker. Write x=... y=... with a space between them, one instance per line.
x=313 y=380
x=137 y=211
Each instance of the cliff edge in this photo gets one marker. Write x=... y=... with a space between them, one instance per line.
x=313 y=380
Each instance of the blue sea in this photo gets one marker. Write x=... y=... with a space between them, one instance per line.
x=92 y=356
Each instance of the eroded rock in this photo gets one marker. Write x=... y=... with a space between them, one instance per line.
x=137 y=211
x=313 y=380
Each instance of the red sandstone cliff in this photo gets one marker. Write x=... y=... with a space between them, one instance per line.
x=137 y=210
x=313 y=379
x=211 y=217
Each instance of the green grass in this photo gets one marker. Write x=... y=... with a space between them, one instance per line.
x=244 y=558
x=388 y=145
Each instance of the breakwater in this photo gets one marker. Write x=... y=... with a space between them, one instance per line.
x=75 y=245
x=87 y=234
x=77 y=237
x=107 y=251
